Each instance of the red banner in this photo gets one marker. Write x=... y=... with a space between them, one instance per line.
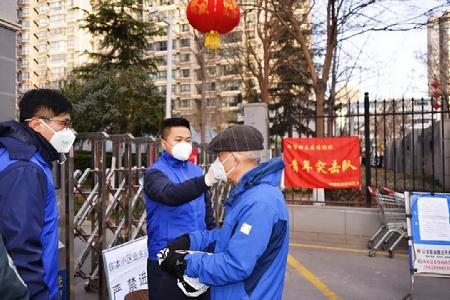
x=332 y=163
x=193 y=158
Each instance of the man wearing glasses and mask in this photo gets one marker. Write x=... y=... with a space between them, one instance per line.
x=28 y=209
x=176 y=201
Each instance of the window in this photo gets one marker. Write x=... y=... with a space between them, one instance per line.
x=70 y=29
x=185 y=57
x=24 y=75
x=25 y=24
x=185 y=103
x=57 y=59
x=26 y=50
x=185 y=42
x=231 y=86
x=210 y=86
x=211 y=71
x=211 y=102
x=25 y=36
x=43 y=8
x=43 y=48
x=185 y=73
x=161 y=75
x=42 y=85
x=231 y=69
x=70 y=44
x=160 y=46
x=70 y=56
x=43 y=21
x=57 y=31
x=185 y=88
x=57 y=72
x=70 y=16
x=57 y=19
x=55 y=6
x=184 y=27
x=25 y=11
x=57 y=46
x=42 y=34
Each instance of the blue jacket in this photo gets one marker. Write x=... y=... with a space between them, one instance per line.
x=175 y=201
x=28 y=210
x=251 y=247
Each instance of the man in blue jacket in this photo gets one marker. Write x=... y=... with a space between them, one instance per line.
x=177 y=202
x=251 y=247
x=28 y=210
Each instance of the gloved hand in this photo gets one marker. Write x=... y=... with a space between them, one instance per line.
x=174 y=263
x=215 y=173
x=182 y=242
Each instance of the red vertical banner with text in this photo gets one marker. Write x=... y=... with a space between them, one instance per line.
x=332 y=163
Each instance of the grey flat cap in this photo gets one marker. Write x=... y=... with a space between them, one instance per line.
x=237 y=138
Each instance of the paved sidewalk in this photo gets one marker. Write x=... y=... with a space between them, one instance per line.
x=319 y=272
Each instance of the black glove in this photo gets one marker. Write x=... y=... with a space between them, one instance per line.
x=174 y=264
x=180 y=243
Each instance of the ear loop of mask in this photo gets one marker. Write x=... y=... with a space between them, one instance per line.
x=234 y=167
x=63 y=161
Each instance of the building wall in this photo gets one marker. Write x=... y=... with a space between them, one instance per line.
x=8 y=29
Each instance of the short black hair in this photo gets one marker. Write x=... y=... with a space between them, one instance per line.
x=41 y=103
x=172 y=122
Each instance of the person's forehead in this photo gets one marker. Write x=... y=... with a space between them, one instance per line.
x=63 y=116
x=179 y=131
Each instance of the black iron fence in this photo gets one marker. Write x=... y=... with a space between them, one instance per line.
x=405 y=145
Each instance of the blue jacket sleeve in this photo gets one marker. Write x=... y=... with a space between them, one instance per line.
x=247 y=244
x=203 y=239
x=22 y=201
x=161 y=189
x=210 y=220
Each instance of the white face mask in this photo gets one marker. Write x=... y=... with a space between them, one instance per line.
x=181 y=151
x=219 y=170
x=61 y=140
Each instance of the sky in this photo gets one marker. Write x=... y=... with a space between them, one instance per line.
x=393 y=64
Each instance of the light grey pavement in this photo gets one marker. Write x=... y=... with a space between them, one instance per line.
x=325 y=272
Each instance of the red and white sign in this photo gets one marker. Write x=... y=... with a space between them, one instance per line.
x=332 y=163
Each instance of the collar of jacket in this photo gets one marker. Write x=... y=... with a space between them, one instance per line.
x=172 y=161
x=269 y=172
x=22 y=142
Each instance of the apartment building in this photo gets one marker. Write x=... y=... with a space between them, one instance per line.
x=51 y=42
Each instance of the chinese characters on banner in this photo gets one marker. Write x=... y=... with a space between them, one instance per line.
x=126 y=268
x=332 y=163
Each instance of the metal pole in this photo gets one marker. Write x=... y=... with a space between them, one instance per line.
x=367 y=146
x=169 y=67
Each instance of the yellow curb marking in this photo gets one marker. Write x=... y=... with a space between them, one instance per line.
x=308 y=275
x=343 y=249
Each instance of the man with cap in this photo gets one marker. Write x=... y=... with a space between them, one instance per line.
x=251 y=247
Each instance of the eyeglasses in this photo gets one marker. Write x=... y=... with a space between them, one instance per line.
x=66 y=123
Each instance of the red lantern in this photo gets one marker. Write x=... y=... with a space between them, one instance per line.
x=213 y=17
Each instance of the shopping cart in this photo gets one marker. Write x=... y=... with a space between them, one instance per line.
x=392 y=207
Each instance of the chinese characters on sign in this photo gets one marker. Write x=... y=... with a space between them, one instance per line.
x=126 y=268
x=322 y=162
x=430 y=229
